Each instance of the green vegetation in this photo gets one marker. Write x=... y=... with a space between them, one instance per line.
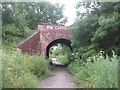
x=96 y=72
x=38 y=65
x=63 y=59
x=61 y=52
x=22 y=71
x=21 y=18
x=93 y=31
x=19 y=21
x=98 y=27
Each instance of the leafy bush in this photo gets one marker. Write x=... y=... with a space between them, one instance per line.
x=12 y=35
x=38 y=65
x=20 y=71
x=10 y=29
x=63 y=59
x=100 y=73
x=88 y=54
x=83 y=53
x=13 y=73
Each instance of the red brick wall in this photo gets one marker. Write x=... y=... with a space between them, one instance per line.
x=39 y=42
x=31 y=46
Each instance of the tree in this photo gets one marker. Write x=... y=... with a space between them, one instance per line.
x=98 y=26
x=83 y=30
x=12 y=13
x=27 y=15
x=44 y=13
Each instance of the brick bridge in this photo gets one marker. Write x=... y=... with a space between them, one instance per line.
x=40 y=42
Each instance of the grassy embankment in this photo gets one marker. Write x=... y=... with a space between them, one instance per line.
x=96 y=72
x=22 y=71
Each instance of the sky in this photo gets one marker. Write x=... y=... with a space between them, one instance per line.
x=70 y=11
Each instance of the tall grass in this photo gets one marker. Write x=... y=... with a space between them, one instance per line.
x=21 y=71
x=96 y=72
x=38 y=65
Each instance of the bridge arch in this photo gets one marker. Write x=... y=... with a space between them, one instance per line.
x=61 y=40
x=40 y=42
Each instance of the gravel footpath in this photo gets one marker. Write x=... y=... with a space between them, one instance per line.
x=62 y=79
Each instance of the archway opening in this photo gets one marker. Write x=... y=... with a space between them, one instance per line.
x=59 y=49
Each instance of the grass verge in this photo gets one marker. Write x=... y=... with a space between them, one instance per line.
x=22 y=71
x=96 y=72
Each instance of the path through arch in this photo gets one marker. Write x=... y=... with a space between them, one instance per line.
x=62 y=41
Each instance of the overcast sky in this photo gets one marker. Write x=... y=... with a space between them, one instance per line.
x=69 y=11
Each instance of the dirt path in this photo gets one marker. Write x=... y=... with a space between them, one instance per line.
x=62 y=79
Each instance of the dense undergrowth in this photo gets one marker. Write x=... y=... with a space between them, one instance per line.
x=22 y=71
x=96 y=72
